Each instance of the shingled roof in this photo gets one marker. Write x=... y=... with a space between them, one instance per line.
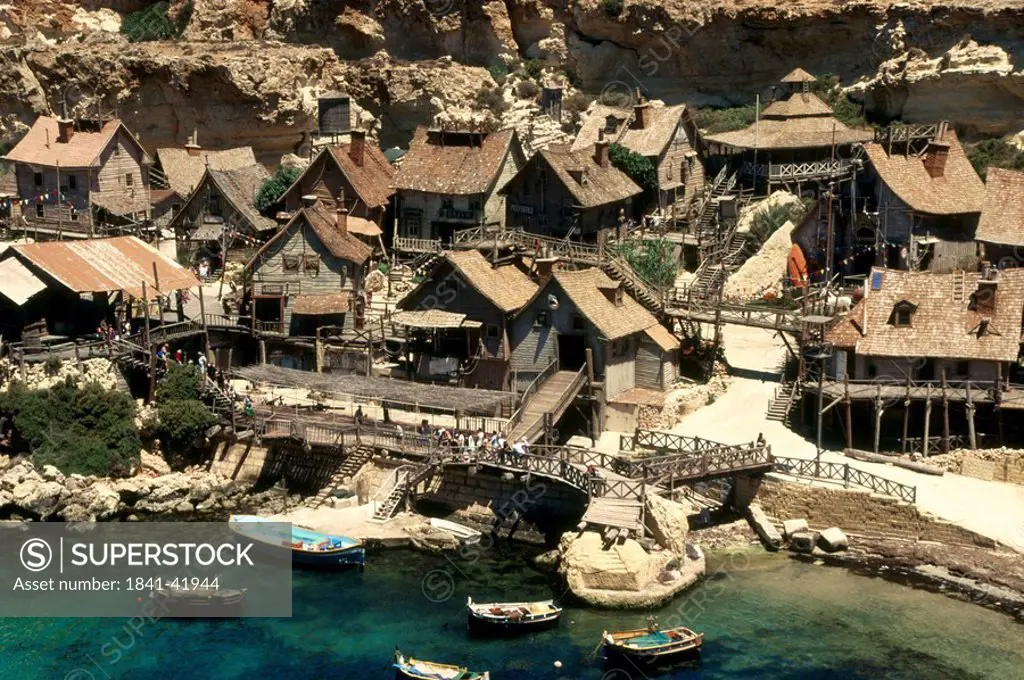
x=184 y=171
x=507 y=286
x=454 y=163
x=1002 y=212
x=957 y=191
x=373 y=179
x=597 y=185
x=945 y=323
x=647 y=141
x=40 y=147
x=324 y=223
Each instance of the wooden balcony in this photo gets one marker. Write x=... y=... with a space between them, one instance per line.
x=783 y=172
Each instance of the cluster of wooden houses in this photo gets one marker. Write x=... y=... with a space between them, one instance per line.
x=901 y=210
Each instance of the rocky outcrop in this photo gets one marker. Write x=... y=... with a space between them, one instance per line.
x=50 y=495
x=668 y=522
x=626 y=574
x=40 y=376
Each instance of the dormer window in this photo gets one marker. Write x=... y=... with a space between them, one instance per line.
x=903 y=313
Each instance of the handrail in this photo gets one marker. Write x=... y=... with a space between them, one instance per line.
x=517 y=415
x=378 y=495
x=845 y=473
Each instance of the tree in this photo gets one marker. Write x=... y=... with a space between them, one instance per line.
x=766 y=222
x=654 y=261
x=181 y=416
x=180 y=383
x=273 y=189
x=155 y=23
x=639 y=168
x=995 y=153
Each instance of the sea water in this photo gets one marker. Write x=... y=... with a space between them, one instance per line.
x=763 y=616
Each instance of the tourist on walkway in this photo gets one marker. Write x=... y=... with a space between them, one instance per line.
x=359 y=416
x=202 y=362
x=179 y=356
x=247 y=404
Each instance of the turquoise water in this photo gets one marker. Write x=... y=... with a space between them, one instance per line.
x=764 y=616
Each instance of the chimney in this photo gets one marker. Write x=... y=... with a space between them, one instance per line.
x=357 y=147
x=641 y=112
x=342 y=220
x=935 y=158
x=985 y=296
x=65 y=130
x=310 y=201
x=545 y=267
x=601 y=150
x=192 y=146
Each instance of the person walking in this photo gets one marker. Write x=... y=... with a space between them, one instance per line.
x=359 y=415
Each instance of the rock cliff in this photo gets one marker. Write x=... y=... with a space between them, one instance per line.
x=248 y=71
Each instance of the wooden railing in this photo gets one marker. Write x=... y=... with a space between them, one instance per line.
x=665 y=441
x=417 y=245
x=848 y=475
x=269 y=327
x=531 y=389
x=562 y=469
x=811 y=170
x=227 y=320
x=713 y=463
x=905 y=133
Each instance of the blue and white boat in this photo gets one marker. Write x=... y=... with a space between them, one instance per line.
x=308 y=547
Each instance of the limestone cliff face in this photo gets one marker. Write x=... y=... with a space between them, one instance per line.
x=248 y=71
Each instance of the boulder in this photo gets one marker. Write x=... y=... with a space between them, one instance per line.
x=37 y=496
x=668 y=522
x=154 y=465
x=833 y=540
x=763 y=526
x=52 y=474
x=803 y=541
x=791 y=526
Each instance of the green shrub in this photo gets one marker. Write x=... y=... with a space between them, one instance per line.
x=150 y=23
x=491 y=100
x=639 y=168
x=846 y=111
x=714 y=121
x=766 y=222
x=180 y=383
x=652 y=260
x=527 y=89
x=995 y=153
x=612 y=8
x=273 y=189
x=86 y=430
x=499 y=72
x=534 y=68
x=182 y=422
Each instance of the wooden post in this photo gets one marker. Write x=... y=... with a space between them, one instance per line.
x=849 y=415
x=149 y=347
x=927 y=417
x=971 y=437
x=945 y=415
x=878 y=415
x=318 y=352
x=202 y=316
x=369 y=358
x=263 y=351
x=156 y=289
x=997 y=399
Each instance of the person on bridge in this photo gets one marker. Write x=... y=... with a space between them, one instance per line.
x=359 y=415
x=760 y=439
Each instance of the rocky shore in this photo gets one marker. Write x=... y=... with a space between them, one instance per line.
x=47 y=494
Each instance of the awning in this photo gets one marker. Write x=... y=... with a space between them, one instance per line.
x=207 y=232
x=361 y=227
x=433 y=318
x=17 y=283
x=330 y=303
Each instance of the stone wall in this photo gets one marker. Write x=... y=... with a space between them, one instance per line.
x=858 y=512
x=545 y=502
x=1006 y=470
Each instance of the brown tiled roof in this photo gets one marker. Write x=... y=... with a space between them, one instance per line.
x=793 y=127
x=184 y=172
x=39 y=146
x=120 y=202
x=602 y=185
x=324 y=303
x=596 y=121
x=798 y=75
x=158 y=196
x=453 y=168
x=613 y=321
x=240 y=187
x=325 y=225
x=1002 y=213
x=959 y=190
x=649 y=141
x=373 y=179
x=941 y=326
x=107 y=265
x=507 y=286
x=795 y=105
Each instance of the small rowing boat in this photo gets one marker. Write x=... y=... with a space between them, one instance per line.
x=653 y=645
x=465 y=535
x=407 y=667
x=308 y=547
x=200 y=600
x=512 y=617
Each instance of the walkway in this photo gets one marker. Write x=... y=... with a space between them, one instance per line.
x=553 y=396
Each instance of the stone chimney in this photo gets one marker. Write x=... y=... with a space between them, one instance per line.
x=641 y=113
x=65 y=130
x=310 y=201
x=342 y=219
x=357 y=147
x=613 y=292
x=935 y=158
x=192 y=146
x=545 y=267
x=601 y=150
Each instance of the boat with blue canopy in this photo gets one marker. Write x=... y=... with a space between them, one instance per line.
x=308 y=547
x=652 y=645
x=417 y=669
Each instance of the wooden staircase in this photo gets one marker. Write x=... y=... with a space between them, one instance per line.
x=780 y=407
x=618 y=269
x=553 y=396
x=392 y=503
x=354 y=462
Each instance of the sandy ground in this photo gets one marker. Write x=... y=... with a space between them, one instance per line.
x=993 y=509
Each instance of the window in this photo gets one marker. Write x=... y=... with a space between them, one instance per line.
x=117 y=150
x=129 y=180
x=40 y=211
x=344 y=271
x=291 y=263
x=311 y=264
x=962 y=368
x=578 y=322
x=175 y=209
x=213 y=205
x=493 y=331
x=474 y=204
x=902 y=317
x=72 y=181
x=447 y=203
x=540 y=319
x=872 y=370
x=38 y=179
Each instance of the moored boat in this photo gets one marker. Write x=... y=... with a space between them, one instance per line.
x=512 y=617
x=416 y=669
x=653 y=645
x=465 y=535
x=308 y=547
x=200 y=600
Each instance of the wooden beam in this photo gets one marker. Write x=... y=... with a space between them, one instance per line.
x=849 y=415
x=971 y=436
x=927 y=418
x=945 y=415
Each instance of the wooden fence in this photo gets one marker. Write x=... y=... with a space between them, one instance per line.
x=843 y=472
